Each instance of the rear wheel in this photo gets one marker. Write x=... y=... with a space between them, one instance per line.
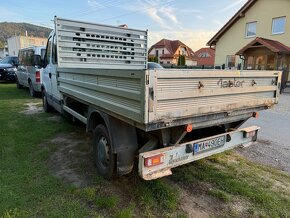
x=31 y=90
x=18 y=85
x=46 y=107
x=104 y=157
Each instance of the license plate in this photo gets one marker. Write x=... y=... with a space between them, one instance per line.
x=209 y=144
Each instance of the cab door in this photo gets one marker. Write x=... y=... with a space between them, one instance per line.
x=54 y=75
x=50 y=74
x=46 y=76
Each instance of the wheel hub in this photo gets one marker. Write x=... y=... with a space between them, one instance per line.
x=103 y=151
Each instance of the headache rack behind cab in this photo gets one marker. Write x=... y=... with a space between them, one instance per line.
x=88 y=45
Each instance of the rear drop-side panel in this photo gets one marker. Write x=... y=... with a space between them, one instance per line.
x=186 y=93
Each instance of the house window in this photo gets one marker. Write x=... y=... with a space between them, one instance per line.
x=251 y=29
x=231 y=61
x=163 y=51
x=156 y=53
x=278 y=25
x=203 y=55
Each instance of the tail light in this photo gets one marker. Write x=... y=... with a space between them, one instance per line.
x=256 y=115
x=37 y=76
x=154 y=160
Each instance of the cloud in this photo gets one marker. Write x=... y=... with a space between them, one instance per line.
x=195 y=39
x=199 y=17
x=217 y=22
x=157 y=10
x=95 y=4
x=232 y=5
x=169 y=13
x=153 y=14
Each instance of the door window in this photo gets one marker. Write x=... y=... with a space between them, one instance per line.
x=54 y=51
x=260 y=63
x=48 y=51
x=250 y=63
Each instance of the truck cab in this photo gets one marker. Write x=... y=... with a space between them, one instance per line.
x=51 y=95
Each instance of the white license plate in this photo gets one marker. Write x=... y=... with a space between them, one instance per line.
x=209 y=144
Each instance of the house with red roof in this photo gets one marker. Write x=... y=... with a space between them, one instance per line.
x=169 y=51
x=205 y=57
x=257 y=37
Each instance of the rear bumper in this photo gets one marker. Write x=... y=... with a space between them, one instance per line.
x=37 y=87
x=181 y=154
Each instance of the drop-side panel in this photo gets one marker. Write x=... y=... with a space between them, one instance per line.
x=90 y=45
x=120 y=92
x=187 y=93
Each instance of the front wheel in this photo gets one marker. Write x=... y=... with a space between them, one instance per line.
x=104 y=157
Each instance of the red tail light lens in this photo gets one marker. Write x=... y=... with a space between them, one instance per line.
x=37 y=76
x=154 y=160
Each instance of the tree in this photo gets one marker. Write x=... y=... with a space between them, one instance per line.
x=181 y=60
x=153 y=59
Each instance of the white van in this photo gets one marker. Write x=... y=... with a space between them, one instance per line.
x=29 y=69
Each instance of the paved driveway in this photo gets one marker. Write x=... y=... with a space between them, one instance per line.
x=273 y=146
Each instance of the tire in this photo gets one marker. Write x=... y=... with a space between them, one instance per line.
x=18 y=86
x=31 y=90
x=46 y=107
x=104 y=157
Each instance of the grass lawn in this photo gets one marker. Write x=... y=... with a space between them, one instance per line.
x=28 y=188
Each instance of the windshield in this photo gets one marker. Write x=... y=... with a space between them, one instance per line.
x=153 y=65
x=9 y=60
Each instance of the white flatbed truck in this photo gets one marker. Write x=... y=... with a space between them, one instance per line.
x=167 y=118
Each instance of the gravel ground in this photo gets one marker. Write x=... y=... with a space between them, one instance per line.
x=273 y=146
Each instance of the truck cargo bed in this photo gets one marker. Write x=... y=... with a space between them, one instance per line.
x=158 y=99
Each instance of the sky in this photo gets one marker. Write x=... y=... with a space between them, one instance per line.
x=193 y=22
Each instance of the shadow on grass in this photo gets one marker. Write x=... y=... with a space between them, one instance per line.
x=8 y=91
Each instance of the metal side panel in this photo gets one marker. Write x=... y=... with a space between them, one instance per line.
x=118 y=91
x=89 y=45
x=187 y=93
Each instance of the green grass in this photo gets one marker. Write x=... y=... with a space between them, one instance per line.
x=234 y=177
x=27 y=188
x=158 y=192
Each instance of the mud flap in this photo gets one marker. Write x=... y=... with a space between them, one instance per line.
x=124 y=138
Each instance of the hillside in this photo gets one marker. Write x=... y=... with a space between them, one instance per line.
x=8 y=29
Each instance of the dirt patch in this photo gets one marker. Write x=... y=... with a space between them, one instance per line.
x=196 y=201
x=71 y=161
x=32 y=108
